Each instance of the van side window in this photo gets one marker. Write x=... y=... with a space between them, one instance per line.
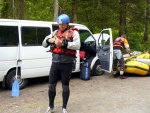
x=55 y=27
x=85 y=36
x=9 y=36
x=88 y=43
x=33 y=36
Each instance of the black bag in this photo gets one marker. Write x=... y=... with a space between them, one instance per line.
x=85 y=70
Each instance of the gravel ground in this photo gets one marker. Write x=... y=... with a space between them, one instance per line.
x=101 y=94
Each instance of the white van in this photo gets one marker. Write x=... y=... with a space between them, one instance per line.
x=22 y=39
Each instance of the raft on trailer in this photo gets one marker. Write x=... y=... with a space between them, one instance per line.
x=139 y=64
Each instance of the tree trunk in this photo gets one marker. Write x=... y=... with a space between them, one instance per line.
x=122 y=19
x=20 y=9
x=74 y=9
x=13 y=7
x=102 y=13
x=56 y=9
x=145 y=37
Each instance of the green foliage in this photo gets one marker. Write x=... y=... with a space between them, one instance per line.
x=39 y=10
x=1 y=5
x=135 y=40
x=95 y=14
x=6 y=9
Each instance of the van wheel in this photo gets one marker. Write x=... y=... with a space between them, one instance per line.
x=11 y=77
x=97 y=71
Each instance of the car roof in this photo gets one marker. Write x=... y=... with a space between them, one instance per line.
x=34 y=22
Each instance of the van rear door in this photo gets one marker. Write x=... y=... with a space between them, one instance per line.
x=9 y=40
x=105 y=49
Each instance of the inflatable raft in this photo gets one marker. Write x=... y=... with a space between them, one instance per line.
x=137 y=65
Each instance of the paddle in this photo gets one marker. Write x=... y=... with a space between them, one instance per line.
x=15 y=85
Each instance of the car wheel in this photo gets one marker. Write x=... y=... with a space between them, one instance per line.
x=11 y=77
x=97 y=71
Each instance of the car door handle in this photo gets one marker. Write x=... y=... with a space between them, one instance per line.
x=105 y=48
x=104 y=54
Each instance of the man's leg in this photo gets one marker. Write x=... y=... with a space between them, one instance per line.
x=66 y=70
x=53 y=78
x=121 y=61
x=115 y=65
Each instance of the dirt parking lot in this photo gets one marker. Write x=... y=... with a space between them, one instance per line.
x=101 y=94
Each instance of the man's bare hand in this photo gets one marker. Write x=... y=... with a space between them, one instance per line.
x=58 y=42
x=51 y=40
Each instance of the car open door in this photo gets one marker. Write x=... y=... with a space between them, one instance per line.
x=105 y=49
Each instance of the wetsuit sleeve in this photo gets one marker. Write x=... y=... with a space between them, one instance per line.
x=45 y=42
x=75 y=44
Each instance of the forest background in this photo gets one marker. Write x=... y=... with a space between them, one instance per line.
x=131 y=17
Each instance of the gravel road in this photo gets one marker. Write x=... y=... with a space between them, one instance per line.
x=101 y=94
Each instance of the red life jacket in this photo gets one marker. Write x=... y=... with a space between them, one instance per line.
x=118 y=42
x=67 y=35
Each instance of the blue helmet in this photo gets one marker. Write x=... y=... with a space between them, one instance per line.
x=63 y=19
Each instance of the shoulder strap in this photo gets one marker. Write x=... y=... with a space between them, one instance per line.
x=74 y=29
x=67 y=34
x=118 y=39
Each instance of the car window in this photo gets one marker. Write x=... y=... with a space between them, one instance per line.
x=85 y=36
x=104 y=38
x=9 y=36
x=55 y=27
x=33 y=36
x=90 y=38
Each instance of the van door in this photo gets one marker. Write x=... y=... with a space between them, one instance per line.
x=105 y=50
x=35 y=61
